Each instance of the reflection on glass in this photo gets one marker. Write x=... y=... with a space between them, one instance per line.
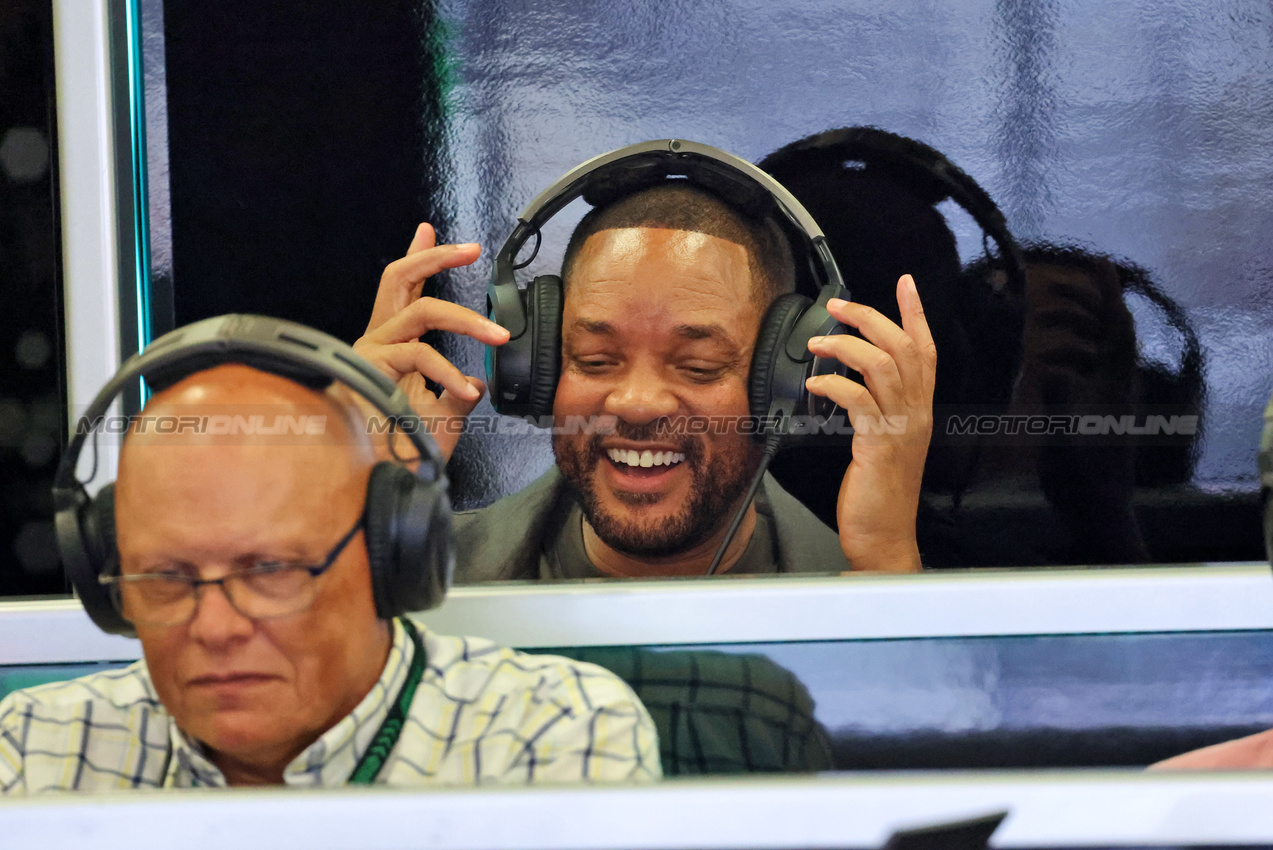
x=1122 y=131
x=992 y=702
x=1042 y=395
x=1005 y=702
x=720 y=712
x=1093 y=144
x=15 y=677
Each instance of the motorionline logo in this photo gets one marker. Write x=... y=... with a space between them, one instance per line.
x=673 y=426
x=1071 y=425
x=218 y=425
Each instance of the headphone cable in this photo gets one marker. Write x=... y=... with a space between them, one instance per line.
x=771 y=448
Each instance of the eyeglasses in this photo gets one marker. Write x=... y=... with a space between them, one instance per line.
x=263 y=591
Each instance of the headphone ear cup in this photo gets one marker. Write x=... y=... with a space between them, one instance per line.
x=86 y=538
x=543 y=309
x=99 y=529
x=775 y=330
x=409 y=544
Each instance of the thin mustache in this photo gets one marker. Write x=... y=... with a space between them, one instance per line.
x=686 y=445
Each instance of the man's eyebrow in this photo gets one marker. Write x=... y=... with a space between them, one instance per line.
x=592 y=326
x=711 y=331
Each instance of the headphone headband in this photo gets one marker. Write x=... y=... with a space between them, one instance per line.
x=617 y=173
x=406 y=515
x=272 y=345
x=522 y=374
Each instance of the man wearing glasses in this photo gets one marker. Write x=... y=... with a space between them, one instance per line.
x=244 y=569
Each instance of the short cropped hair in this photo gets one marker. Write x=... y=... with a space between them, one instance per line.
x=675 y=206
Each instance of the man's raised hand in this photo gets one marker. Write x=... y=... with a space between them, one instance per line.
x=400 y=317
x=892 y=419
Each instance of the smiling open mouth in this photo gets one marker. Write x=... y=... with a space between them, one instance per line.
x=632 y=459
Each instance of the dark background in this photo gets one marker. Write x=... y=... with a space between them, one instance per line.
x=299 y=148
x=32 y=403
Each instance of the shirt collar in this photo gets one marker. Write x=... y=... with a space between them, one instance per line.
x=329 y=761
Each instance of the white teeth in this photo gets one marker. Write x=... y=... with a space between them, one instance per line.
x=646 y=459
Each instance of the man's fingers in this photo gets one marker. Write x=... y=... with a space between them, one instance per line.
x=915 y=323
x=403 y=280
x=449 y=404
x=414 y=269
x=407 y=358
x=917 y=369
x=876 y=367
x=425 y=238
x=850 y=395
x=433 y=314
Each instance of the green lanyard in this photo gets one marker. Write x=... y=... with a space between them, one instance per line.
x=387 y=735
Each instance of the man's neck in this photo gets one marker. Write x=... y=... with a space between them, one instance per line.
x=691 y=562
x=238 y=772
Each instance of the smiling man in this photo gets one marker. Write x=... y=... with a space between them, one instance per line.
x=646 y=338
x=664 y=293
x=243 y=566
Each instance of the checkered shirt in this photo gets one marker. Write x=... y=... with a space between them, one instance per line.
x=482 y=714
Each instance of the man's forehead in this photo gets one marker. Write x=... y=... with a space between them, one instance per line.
x=690 y=248
x=694 y=282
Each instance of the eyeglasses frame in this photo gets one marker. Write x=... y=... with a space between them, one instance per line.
x=119 y=580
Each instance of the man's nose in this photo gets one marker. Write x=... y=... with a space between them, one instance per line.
x=641 y=396
x=216 y=621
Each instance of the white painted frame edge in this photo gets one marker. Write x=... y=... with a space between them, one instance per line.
x=1047 y=809
x=968 y=603
x=86 y=181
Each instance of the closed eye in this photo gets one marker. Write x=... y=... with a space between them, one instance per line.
x=592 y=364
x=168 y=571
x=266 y=567
x=703 y=374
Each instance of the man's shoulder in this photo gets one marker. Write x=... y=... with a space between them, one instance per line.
x=110 y=691
x=91 y=733
x=511 y=716
x=502 y=541
x=476 y=668
x=804 y=542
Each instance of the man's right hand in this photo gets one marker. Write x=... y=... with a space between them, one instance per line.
x=400 y=317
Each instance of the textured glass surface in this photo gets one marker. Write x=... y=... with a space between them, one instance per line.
x=1142 y=130
x=303 y=148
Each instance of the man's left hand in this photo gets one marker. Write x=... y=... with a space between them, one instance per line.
x=892 y=419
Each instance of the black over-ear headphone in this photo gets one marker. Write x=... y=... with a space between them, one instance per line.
x=523 y=372
x=407 y=517
x=907 y=159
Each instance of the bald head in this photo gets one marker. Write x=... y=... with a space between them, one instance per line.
x=232 y=433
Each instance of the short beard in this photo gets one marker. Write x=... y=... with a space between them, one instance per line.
x=715 y=487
